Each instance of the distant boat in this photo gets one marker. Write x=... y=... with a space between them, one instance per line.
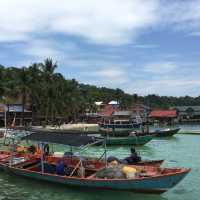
x=121 y=123
x=136 y=140
x=166 y=132
x=120 y=127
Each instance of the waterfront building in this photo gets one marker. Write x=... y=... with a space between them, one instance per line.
x=165 y=117
x=188 y=113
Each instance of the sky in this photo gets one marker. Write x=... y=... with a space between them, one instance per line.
x=140 y=46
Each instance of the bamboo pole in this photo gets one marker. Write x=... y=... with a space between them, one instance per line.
x=75 y=168
x=42 y=156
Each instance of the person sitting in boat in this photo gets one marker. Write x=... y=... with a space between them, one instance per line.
x=133 y=158
x=32 y=149
x=110 y=159
x=60 y=168
x=46 y=149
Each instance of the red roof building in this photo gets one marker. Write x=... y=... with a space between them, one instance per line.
x=163 y=114
x=106 y=111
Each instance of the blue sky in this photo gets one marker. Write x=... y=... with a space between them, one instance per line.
x=140 y=46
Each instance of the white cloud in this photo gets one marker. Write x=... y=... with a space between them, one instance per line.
x=146 y=46
x=41 y=49
x=197 y=33
x=33 y=23
x=105 y=21
x=171 y=86
x=113 y=77
x=112 y=73
x=181 y=15
x=160 y=67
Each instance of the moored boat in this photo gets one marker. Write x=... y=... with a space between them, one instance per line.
x=136 y=140
x=118 y=127
x=120 y=123
x=166 y=132
x=152 y=179
x=82 y=173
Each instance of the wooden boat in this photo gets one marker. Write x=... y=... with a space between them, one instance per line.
x=120 y=132
x=152 y=179
x=149 y=179
x=120 y=123
x=166 y=132
x=155 y=163
x=136 y=140
x=118 y=127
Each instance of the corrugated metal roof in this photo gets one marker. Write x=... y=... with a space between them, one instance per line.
x=12 y=108
x=185 y=108
x=122 y=113
x=163 y=113
x=107 y=111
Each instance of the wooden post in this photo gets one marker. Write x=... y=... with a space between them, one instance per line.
x=5 y=119
x=81 y=168
x=12 y=152
x=105 y=148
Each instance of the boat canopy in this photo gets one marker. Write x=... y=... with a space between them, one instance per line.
x=61 y=138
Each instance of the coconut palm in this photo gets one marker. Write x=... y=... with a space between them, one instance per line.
x=48 y=68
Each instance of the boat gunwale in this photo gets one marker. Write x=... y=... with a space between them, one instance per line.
x=182 y=170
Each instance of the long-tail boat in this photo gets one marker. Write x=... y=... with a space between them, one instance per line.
x=120 y=125
x=150 y=179
x=166 y=132
x=136 y=140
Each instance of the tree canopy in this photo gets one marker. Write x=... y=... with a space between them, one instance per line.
x=47 y=93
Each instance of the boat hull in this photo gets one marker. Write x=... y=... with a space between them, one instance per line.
x=120 y=132
x=157 y=184
x=166 y=133
x=130 y=140
x=120 y=126
x=155 y=163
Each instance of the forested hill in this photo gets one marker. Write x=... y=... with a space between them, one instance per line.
x=48 y=93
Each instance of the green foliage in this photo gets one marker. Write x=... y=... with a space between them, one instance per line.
x=50 y=95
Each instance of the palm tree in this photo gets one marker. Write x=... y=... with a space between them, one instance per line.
x=48 y=68
x=23 y=89
x=35 y=87
x=135 y=98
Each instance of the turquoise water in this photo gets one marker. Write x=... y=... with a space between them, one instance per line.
x=180 y=151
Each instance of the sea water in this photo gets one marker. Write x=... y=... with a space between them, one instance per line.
x=178 y=151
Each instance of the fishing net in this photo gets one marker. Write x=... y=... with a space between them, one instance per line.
x=111 y=173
